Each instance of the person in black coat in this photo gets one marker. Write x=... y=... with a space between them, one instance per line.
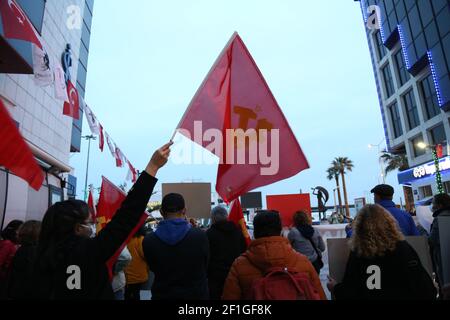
x=382 y=265
x=178 y=254
x=441 y=208
x=70 y=263
x=226 y=243
x=22 y=264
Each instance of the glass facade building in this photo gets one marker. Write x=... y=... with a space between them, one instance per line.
x=410 y=51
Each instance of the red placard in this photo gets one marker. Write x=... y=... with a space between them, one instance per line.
x=288 y=204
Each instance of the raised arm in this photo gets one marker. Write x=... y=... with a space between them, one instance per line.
x=114 y=234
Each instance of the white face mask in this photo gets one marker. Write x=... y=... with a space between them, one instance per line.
x=92 y=228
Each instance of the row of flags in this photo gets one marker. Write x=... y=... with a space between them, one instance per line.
x=98 y=130
x=47 y=71
x=16 y=25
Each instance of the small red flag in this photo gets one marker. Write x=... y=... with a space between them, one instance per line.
x=439 y=151
x=72 y=107
x=91 y=206
x=119 y=158
x=235 y=98
x=101 y=138
x=15 y=154
x=111 y=198
x=16 y=24
x=237 y=216
x=132 y=174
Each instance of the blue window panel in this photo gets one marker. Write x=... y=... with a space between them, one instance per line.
x=431 y=34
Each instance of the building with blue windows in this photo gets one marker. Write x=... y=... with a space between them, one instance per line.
x=51 y=135
x=410 y=51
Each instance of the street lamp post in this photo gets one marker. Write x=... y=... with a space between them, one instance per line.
x=89 y=138
x=378 y=146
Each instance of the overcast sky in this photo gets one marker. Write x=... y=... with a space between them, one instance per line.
x=147 y=59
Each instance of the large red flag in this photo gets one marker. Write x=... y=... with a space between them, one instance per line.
x=15 y=154
x=235 y=96
x=91 y=206
x=237 y=216
x=16 y=24
x=72 y=107
x=111 y=198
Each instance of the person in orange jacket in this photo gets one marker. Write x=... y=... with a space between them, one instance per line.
x=137 y=271
x=267 y=251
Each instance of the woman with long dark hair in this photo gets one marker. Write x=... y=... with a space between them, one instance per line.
x=71 y=261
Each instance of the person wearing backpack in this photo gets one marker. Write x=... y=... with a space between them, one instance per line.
x=307 y=240
x=381 y=265
x=270 y=262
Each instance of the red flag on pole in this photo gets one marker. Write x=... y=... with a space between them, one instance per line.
x=119 y=158
x=91 y=206
x=439 y=151
x=111 y=198
x=15 y=154
x=237 y=216
x=72 y=107
x=259 y=147
x=132 y=174
x=16 y=24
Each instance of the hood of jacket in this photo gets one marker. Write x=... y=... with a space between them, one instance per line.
x=270 y=252
x=442 y=212
x=172 y=231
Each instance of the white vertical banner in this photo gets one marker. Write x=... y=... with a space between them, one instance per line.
x=60 y=84
x=92 y=120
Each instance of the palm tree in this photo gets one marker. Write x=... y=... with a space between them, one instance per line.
x=344 y=165
x=333 y=173
x=394 y=162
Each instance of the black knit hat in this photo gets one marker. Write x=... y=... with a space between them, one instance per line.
x=383 y=190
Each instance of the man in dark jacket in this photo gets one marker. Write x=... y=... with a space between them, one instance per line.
x=226 y=243
x=383 y=195
x=177 y=254
x=441 y=209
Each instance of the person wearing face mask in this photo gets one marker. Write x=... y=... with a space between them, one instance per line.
x=70 y=264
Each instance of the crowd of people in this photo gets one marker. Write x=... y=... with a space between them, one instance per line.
x=182 y=261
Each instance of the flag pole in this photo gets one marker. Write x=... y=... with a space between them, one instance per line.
x=89 y=138
x=235 y=34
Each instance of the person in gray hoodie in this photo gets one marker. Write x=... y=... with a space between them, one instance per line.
x=178 y=255
x=306 y=240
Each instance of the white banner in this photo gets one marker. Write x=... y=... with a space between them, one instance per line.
x=43 y=75
x=60 y=84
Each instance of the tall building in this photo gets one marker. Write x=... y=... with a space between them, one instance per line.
x=51 y=135
x=410 y=50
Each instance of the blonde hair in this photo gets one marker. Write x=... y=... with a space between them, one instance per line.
x=375 y=232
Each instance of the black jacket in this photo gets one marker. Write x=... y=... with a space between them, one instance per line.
x=21 y=273
x=91 y=255
x=178 y=256
x=401 y=273
x=226 y=243
x=435 y=244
